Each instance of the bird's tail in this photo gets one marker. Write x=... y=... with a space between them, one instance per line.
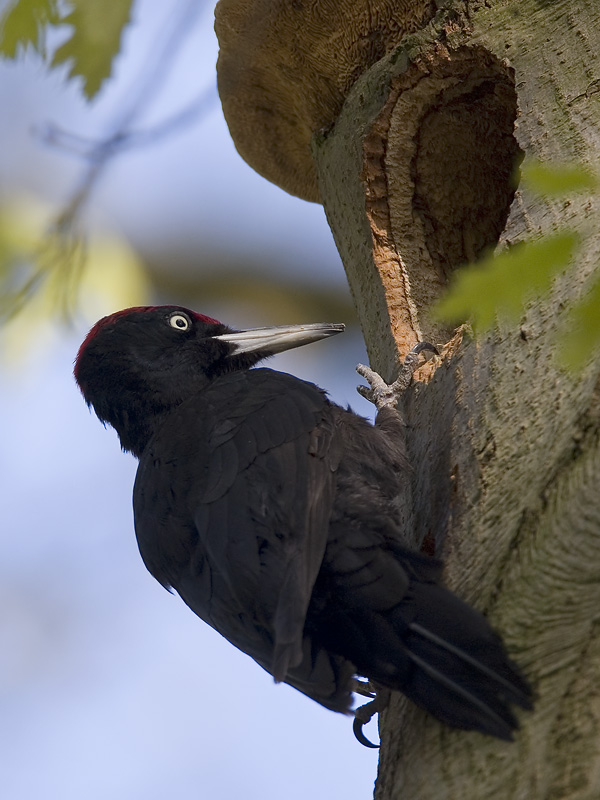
x=455 y=665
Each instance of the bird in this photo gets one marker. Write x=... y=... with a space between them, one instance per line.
x=272 y=512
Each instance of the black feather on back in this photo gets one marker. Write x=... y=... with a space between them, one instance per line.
x=248 y=470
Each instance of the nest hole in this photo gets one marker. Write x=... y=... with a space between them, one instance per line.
x=466 y=160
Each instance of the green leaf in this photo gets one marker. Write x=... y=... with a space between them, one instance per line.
x=581 y=342
x=503 y=285
x=557 y=179
x=24 y=23
x=95 y=41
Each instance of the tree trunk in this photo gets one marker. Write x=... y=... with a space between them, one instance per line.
x=416 y=179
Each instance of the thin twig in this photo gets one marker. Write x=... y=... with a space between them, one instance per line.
x=93 y=149
x=61 y=254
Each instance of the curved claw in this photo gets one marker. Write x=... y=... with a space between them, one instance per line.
x=357 y=727
x=365 y=688
x=365 y=392
x=421 y=346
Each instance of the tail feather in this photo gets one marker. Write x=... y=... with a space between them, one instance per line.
x=462 y=673
x=411 y=634
x=476 y=714
x=515 y=693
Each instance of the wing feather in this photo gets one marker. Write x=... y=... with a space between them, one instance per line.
x=251 y=461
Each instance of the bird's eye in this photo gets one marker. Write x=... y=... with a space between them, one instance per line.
x=180 y=321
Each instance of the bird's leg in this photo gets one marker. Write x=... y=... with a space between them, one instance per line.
x=385 y=395
x=365 y=714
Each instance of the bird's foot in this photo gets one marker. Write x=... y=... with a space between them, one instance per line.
x=365 y=714
x=385 y=395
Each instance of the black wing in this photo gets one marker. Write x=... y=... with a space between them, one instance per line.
x=245 y=473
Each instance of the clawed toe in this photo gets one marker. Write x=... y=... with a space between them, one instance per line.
x=365 y=714
x=382 y=394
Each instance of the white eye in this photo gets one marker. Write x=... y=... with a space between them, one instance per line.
x=180 y=321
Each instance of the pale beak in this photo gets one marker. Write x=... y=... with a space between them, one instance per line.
x=278 y=338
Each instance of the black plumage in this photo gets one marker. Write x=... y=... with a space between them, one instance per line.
x=271 y=511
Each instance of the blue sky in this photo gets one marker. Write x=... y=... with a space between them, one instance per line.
x=109 y=686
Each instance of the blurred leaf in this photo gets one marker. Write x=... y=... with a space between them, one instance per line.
x=23 y=24
x=99 y=276
x=29 y=256
x=557 y=179
x=90 y=49
x=114 y=278
x=581 y=340
x=95 y=41
x=504 y=284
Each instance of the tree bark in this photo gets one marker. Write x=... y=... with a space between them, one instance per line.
x=416 y=180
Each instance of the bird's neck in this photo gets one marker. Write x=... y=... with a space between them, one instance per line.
x=134 y=434
x=139 y=416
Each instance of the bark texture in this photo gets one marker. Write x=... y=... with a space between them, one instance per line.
x=416 y=179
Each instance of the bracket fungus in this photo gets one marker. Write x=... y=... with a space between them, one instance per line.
x=391 y=116
x=286 y=66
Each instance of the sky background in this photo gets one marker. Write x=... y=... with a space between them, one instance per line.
x=109 y=686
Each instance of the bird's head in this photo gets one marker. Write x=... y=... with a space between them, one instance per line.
x=134 y=366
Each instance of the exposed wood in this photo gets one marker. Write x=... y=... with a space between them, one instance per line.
x=425 y=147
